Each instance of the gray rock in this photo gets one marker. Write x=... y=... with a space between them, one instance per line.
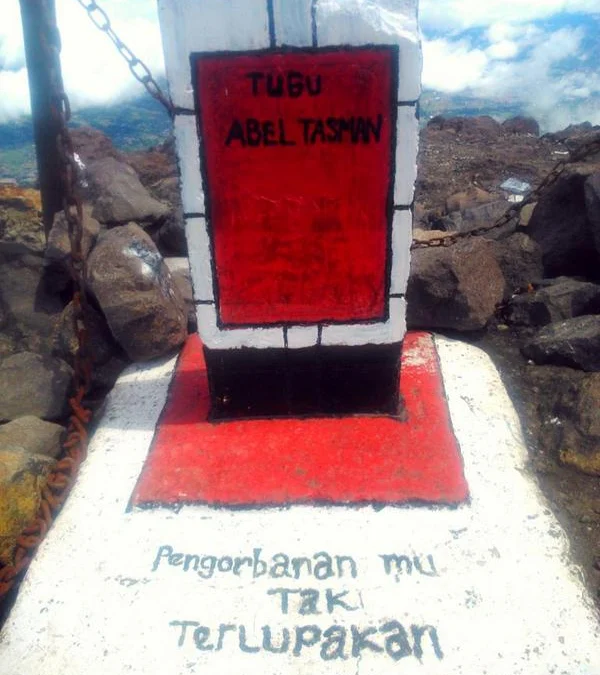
x=100 y=342
x=574 y=343
x=32 y=310
x=559 y=224
x=137 y=294
x=119 y=195
x=58 y=251
x=521 y=125
x=31 y=384
x=171 y=236
x=457 y=287
x=33 y=435
x=520 y=260
x=592 y=203
x=180 y=270
x=555 y=300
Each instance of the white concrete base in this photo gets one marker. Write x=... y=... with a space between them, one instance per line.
x=486 y=588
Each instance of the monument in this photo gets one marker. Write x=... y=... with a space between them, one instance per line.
x=307 y=488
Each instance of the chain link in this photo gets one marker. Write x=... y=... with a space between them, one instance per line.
x=578 y=154
x=63 y=474
x=138 y=68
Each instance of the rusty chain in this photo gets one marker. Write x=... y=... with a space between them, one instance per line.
x=63 y=473
x=578 y=154
x=138 y=68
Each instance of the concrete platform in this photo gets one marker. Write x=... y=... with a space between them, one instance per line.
x=483 y=587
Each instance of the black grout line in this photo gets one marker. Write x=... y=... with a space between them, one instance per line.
x=271 y=18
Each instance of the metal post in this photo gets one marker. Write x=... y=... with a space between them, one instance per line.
x=39 y=18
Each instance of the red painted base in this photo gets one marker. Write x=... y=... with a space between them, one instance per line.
x=343 y=460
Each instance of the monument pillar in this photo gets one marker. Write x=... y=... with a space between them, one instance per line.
x=297 y=136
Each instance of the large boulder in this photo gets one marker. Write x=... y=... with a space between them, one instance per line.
x=32 y=310
x=137 y=294
x=574 y=343
x=22 y=478
x=554 y=300
x=58 y=252
x=33 y=435
x=456 y=287
x=119 y=196
x=91 y=145
x=483 y=215
x=560 y=226
x=592 y=203
x=31 y=384
x=520 y=260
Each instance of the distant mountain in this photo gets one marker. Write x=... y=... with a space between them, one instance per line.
x=142 y=123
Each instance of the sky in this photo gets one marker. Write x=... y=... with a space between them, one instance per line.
x=543 y=55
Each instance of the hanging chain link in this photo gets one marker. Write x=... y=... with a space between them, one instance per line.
x=138 y=68
x=63 y=474
x=578 y=154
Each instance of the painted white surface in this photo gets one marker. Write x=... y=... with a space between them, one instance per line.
x=359 y=22
x=392 y=330
x=407 y=145
x=506 y=599
x=293 y=23
x=199 y=254
x=214 y=338
x=302 y=336
x=188 y=152
x=401 y=241
x=207 y=25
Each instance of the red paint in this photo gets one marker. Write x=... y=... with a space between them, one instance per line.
x=340 y=460
x=299 y=229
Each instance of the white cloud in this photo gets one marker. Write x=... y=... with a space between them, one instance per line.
x=452 y=66
x=504 y=49
x=453 y=15
x=93 y=71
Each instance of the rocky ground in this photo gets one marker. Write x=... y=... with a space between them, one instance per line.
x=528 y=293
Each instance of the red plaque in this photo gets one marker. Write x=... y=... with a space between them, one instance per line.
x=298 y=157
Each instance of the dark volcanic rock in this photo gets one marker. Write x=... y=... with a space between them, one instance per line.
x=119 y=195
x=58 y=251
x=136 y=292
x=592 y=202
x=560 y=226
x=91 y=145
x=457 y=287
x=574 y=343
x=521 y=125
x=33 y=385
x=555 y=300
x=171 y=236
x=33 y=435
x=520 y=260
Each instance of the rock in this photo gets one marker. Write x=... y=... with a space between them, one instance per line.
x=119 y=196
x=167 y=190
x=21 y=228
x=560 y=226
x=22 y=479
x=171 y=236
x=156 y=165
x=31 y=384
x=555 y=300
x=101 y=344
x=180 y=270
x=58 y=251
x=472 y=196
x=91 y=145
x=479 y=125
x=484 y=215
x=33 y=435
x=521 y=125
x=525 y=214
x=592 y=204
x=574 y=343
x=520 y=260
x=137 y=294
x=445 y=287
x=31 y=308
x=580 y=447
